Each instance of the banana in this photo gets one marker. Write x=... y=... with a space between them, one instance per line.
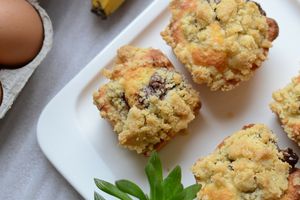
x=105 y=8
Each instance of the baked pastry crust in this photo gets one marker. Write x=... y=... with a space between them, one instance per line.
x=286 y=106
x=293 y=192
x=247 y=165
x=220 y=42
x=146 y=100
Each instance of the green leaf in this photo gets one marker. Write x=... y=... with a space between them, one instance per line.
x=158 y=192
x=155 y=161
x=191 y=192
x=188 y=193
x=150 y=172
x=179 y=196
x=154 y=174
x=169 y=188
x=98 y=196
x=111 y=189
x=178 y=189
x=172 y=184
x=131 y=188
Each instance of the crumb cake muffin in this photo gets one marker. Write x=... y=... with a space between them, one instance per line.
x=248 y=166
x=146 y=100
x=286 y=106
x=221 y=42
x=293 y=191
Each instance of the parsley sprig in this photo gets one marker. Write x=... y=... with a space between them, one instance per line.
x=169 y=188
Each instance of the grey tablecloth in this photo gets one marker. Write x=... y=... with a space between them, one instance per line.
x=25 y=173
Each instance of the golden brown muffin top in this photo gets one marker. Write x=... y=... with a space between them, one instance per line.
x=287 y=106
x=220 y=42
x=293 y=192
x=146 y=100
x=247 y=165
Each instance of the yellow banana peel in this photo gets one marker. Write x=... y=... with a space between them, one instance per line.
x=105 y=8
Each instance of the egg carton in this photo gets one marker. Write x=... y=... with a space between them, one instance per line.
x=13 y=81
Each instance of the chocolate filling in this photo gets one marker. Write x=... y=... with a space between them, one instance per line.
x=290 y=157
x=156 y=87
x=123 y=97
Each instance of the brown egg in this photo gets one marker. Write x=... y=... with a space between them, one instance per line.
x=21 y=33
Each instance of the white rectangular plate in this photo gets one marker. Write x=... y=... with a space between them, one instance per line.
x=82 y=146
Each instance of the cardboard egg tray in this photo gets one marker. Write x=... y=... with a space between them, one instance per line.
x=13 y=81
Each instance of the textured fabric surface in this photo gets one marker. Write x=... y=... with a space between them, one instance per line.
x=78 y=36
